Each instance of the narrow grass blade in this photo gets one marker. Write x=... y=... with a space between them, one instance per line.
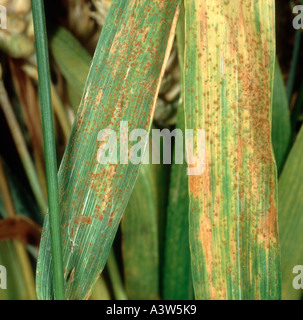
x=177 y=283
x=281 y=127
x=140 y=239
x=229 y=65
x=123 y=84
x=49 y=145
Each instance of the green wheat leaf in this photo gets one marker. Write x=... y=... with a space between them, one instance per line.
x=73 y=60
x=122 y=85
x=291 y=217
x=140 y=239
x=177 y=284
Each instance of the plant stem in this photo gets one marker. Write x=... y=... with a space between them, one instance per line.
x=49 y=145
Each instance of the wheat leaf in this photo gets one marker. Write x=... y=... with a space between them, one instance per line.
x=291 y=218
x=229 y=65
x=122 y=85
x=140 y=239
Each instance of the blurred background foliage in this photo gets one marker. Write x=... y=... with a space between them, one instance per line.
x=137 y=267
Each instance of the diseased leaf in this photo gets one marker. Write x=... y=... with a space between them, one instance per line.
x=122 y=85
x=228 y=77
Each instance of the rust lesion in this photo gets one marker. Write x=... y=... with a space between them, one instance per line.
x=83 y=220
x=161 y=3
x=99 y=97
x=71 y=275
x=205 y=236
x=270 y=223
x=200 y=183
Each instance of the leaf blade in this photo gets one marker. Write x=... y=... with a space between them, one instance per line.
x=233 y=204
x=291 y=218
x=140 y=239
x=114 y=61
x=177 y=283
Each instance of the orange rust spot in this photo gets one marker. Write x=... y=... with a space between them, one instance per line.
x=81 y=219
x=202 y=182
x=72 y=275
x=99 y=216
x=195 y=185
x=161 y=3
x=88 y=294
x=205 y=237
x=99 y=97
x=271 y=219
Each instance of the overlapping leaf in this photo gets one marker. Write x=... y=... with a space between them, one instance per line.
x=140 y=239
x=177 y=284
